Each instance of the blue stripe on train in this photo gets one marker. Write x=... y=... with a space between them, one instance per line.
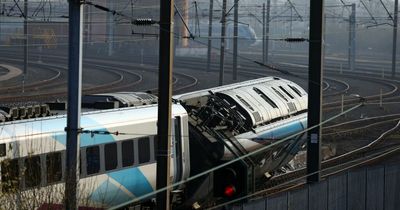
x=131 y=179
x=108 y=193
x=86 y=138
x=283 y=131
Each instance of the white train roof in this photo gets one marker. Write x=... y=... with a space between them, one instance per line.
x=95 y=120
x=270 y=81
x=126 y=99
x=259 y=101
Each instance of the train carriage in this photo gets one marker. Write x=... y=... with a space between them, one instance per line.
x=118 y=146
x=117 y=150
x=248 y=115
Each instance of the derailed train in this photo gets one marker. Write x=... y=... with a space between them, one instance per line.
x=117 y=146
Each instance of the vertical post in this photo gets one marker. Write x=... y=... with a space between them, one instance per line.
x=141 y=57
x=315 y=85
x=342 y=104
x=184 y=31
x=235 y=38
x=40 y=54
x=352 y=38
x=164 y=102
x=1 y=18
x=267 y=30
x=324 y=38
x=222 y=50
x=85 y=27
x=291 y=21
x=110 y=28
x=25 y=44
x=90 y=23
x=263 y=33
x=396 y=11
x=209 y=47
x=74 y=103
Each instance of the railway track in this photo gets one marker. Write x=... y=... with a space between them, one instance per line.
x=361 y=156
x=333 y=87
x=359 y=124
x=370 y=154
x=124 y=80
x=249 y=67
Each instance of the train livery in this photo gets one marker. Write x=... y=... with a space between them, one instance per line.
x=118 y=146
x=120 y=165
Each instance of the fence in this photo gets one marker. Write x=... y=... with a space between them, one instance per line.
x=371 y=188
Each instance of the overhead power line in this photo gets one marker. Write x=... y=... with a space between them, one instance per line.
x=139 y=21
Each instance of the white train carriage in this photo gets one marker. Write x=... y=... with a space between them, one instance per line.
x=117 y=150
x=266 y=101
x=249 y=114
x=117 y=147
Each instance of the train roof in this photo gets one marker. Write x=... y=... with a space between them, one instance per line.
x=125 y=99
x=253 y=103
x=197 y=94
x=94 y=120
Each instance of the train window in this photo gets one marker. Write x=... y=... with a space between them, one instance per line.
x=295 y=90
x=287 y=93
x=280 y=94
x=265 y=97
x=9 y=175
x=144 y=150
x=32 y=171
x=128 y=157
x=110 y=154
x=2 y=150
x=92 y=160
x=53 y=165
x=245 y=103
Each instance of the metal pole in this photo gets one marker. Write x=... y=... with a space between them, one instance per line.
x=352 y=38
x=342 y=104
x=74 y=103
x=164 y=102
x=110 y=27
x=1 y=18
x=25 y=44
x=396 y=11
x=291 y=22
x=235 y=38
x=315 y=90
x=267 y=30
x=184 y=31
x=291 y=25
x=141 y=57
x=263 y=33
x=222 y=51
x=209 y=47
x=341 y=68
x=90 y=23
